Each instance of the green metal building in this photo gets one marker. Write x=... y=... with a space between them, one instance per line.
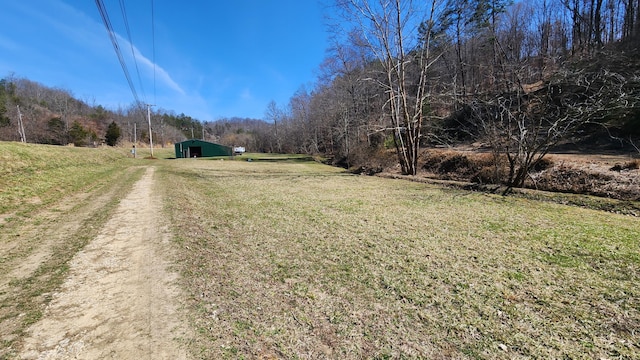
x=200 y=148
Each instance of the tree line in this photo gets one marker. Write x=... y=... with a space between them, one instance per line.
x=37 y=113
x=518 y=77
x=54 y=116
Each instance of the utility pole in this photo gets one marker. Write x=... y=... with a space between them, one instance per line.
x=23 y=136
x=135 y=139
x=150 y=135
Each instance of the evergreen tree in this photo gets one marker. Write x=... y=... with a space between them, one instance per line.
x=113 y=134
x=4 y=97
x=78 y=134
x=57 y=131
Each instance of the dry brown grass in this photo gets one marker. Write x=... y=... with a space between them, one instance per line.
x=300 y=260
x=605 y=176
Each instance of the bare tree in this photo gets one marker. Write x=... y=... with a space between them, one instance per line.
x=59 y=101
x=302 y=129
x=524 y=125
x=390 y=29
x=347 y=106
x=274 y=114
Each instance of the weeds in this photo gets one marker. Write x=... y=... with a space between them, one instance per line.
x=617 y=182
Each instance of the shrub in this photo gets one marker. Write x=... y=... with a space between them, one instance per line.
x=78 y=134
x=474 y=167
x=542 y=165
x=457 y=163
x=113 y=134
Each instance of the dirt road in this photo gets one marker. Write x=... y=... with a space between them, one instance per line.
x=120 y=299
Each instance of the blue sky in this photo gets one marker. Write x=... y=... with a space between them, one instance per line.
x=213 y=58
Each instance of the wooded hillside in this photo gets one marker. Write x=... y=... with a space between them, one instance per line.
x=519 y=78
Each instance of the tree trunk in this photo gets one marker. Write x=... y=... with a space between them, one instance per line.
x=637 y=24
x=597 y=23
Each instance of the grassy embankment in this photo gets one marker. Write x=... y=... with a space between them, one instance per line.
x=300 y=260
x=53 y=200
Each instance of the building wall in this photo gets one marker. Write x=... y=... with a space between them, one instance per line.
x=189 y=148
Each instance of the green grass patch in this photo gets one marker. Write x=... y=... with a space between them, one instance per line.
x=35 y=175
x=298 y=259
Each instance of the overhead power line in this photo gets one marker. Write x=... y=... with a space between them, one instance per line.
x=133 y=54
x=112 y=36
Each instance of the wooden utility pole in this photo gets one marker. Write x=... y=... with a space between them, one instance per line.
x=23 y=136
x=135 y=139
x=150 y=135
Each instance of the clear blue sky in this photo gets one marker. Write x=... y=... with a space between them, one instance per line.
x=212 y=58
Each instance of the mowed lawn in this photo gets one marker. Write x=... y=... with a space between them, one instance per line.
x=301 y=260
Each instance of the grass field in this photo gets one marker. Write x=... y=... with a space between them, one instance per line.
x=294 y=259
x=300 y=260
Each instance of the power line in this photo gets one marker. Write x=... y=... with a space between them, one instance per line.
x=114 y=41
x=133 y=54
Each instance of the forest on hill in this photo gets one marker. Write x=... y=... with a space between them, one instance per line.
x=46 y=115
x=516 y=79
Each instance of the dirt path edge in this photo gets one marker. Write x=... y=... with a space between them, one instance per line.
x=119 y=301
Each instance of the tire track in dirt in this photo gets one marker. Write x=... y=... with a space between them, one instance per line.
x=37 y=245
x=119 y=300
x=54 y=225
